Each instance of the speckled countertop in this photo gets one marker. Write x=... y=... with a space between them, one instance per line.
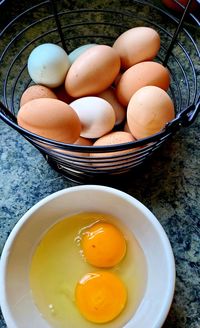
x=169 y=185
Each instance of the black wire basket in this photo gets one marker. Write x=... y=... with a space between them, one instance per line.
x=50 y=21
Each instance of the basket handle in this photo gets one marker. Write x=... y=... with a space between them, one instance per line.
x=185 y=118
x=176 y=33
x=58 y=24
x=188 y=115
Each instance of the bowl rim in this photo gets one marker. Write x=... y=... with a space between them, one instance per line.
x=161 y=316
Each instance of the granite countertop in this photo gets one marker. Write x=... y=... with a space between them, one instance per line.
x=169 y=185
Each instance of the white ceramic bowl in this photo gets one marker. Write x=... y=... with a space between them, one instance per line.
x=16 y=256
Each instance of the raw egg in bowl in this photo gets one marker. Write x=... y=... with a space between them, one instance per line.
x=87 y=256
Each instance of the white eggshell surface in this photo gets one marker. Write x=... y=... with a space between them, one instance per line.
x=96 y=115
x=48 y=64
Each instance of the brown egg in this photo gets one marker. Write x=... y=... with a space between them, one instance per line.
x=149 y=109
x=83 y=142
x=93 y=71
x=120 y=111
x=50 y=118
x=113 y=138
x=136 y=45
x=140 y=75
x=79 y=142
x=36 y=91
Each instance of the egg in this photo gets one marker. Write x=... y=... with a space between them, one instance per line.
x=140 y=75
x=136 y=45
x=69 y=291
x=50 y=118
x=36 y=91
x=78 y=51
x=96 y=115
x=113 y=138
x=48 y=64
x=82 y=142
x=103 y=245
x=93 y=71
x=101 y=296
x=79 y=142
x=120 y=111
x=149 y=109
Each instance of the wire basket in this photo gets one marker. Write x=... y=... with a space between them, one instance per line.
x=52 y=22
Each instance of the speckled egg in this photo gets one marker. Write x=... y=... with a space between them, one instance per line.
x=93 y=71
x=113 y=138
x=136 y=45
x=36 y=91
x=140 y=75
x=149 y=109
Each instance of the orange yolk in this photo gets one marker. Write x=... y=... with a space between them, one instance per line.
x=100 y=296
x=103 y=245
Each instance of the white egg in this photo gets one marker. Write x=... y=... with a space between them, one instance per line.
x=78 y=51
x=96 y=115
x=48 y=65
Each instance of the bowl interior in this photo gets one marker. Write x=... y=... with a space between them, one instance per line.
x=17 y=305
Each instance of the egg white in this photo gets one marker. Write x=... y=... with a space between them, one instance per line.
x=58 y=264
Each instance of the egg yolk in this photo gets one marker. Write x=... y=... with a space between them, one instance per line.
x=100 y=296
x=103 y=245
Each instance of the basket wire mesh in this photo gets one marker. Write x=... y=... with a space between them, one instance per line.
x=51 y=22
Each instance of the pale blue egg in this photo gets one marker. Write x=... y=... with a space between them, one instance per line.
x=78 y=51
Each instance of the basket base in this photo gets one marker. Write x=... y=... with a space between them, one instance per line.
x=113 y=179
